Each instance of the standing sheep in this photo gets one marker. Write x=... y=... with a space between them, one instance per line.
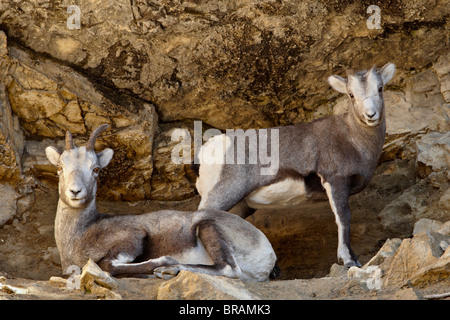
x=334 y=156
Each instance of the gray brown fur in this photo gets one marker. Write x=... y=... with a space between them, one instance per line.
x=161 y=243
x=338 y=152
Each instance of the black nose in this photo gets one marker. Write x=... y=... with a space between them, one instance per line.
x=371 y=115
x=75 y=192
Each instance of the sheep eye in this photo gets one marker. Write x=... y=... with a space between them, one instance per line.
x=96 y=170
x=351 y=95
x=59 y=168
x=380 y=89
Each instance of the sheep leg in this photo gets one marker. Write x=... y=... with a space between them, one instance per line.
x=217 y=247
x=220 y=197
x=122 y=265
x=338 y=193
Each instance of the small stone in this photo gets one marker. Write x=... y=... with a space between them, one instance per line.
x=443 y=245
x=58 y=281
x=92 y=275
x=338 y=270
x=12 y=290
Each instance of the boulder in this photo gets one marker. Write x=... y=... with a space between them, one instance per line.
x=412 y=257
x=434 y=273
x=370 y=276
x=433 y=153
x=429 y=198
x=387 y=250
x=445 y=228
x=8 y=202
x=338 y=270
x=196 y=286
x=424 y=225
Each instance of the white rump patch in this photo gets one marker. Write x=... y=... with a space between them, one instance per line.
x=212 y=159
x=288 y=192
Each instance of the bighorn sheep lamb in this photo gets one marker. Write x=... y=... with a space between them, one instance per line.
x=334 y=156
x=163 y=242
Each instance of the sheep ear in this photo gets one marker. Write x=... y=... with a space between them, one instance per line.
x=338 y=83
x=104 y=157
x=52 y=155
x=387 y=72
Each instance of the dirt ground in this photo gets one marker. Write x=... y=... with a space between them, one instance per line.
x=326 y=288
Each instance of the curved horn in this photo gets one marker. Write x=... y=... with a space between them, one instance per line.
x=69 y=141
x=94 y=135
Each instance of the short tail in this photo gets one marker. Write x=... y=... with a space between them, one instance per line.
x=276 y=272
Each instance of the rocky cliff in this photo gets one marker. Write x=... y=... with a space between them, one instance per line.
x=148 y=67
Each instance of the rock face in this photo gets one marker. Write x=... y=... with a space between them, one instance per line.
x=420 y=261
x=231 y=64
x=150 y=67
x=428 y=198
x=48 y=100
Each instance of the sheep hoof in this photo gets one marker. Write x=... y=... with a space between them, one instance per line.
x=166 y=273
x=353 y=264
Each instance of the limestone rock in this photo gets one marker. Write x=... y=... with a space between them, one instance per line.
x=433 y=153
x=93 y=276
x=429 y=197
x=58 y=282
x=12 y=290
x=412 y=257
x=195 y=286
x=230 y=64
x=11 y=140
x=170 y=181
x=8 y=203
x=445 y=228
x=425 y=199
x=441 y=66
x=48 y=99
x=387 y=250
x=444 y=201
x=434 y=273
x=424 y=225
x=338 y=270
